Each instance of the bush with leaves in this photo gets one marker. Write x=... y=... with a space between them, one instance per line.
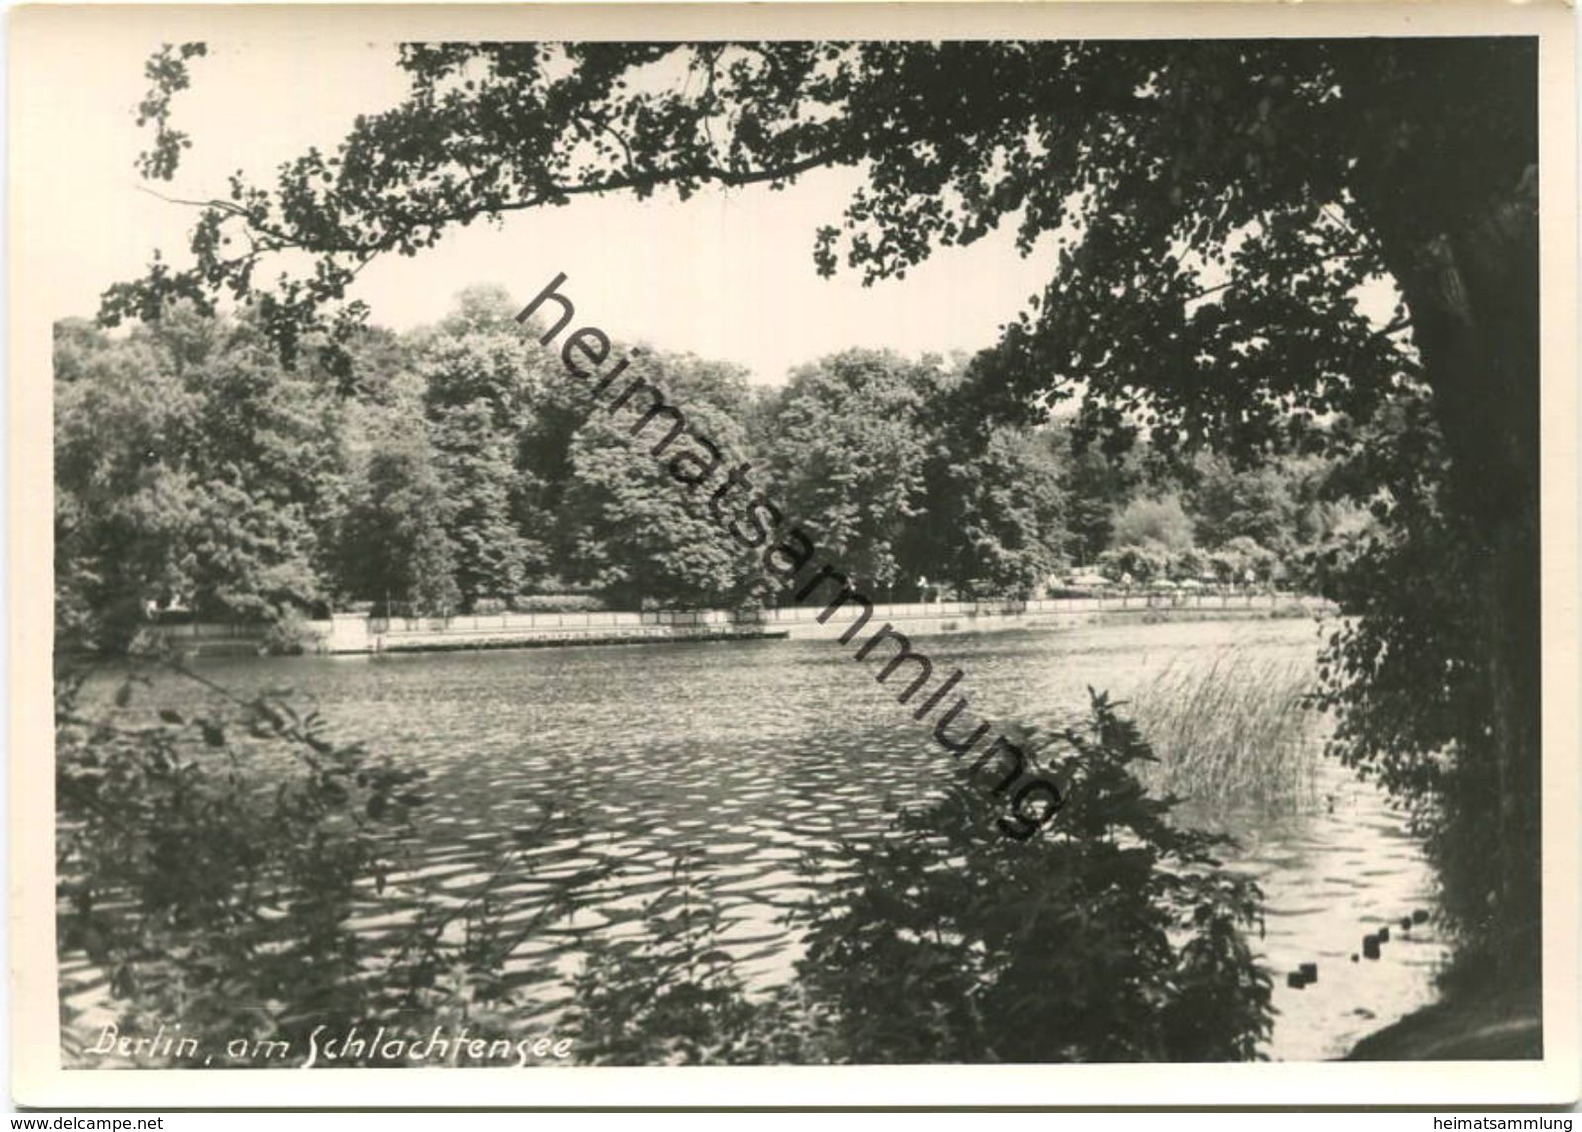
x=212 y=865
x=209 y=864
x=289 y=634
x=559 y=603
x=1405 y=675
x=1144 y=563
x=673 y=995
x=1113 y=936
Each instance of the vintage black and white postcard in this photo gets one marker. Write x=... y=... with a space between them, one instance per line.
x=863 y=555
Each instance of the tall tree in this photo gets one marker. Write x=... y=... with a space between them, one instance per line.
x=481 y=380
x=1096 y=488
x=475 y=460
x=848 y=456
x=392 y=544
x=635 y=516
x=1221 y=209
x=123 y=502
x=1013 y=515
x=993 y=521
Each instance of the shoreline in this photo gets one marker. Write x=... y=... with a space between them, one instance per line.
x=364 y=634
x=1462 y=1026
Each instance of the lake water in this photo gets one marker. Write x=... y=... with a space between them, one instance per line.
x=754 y=752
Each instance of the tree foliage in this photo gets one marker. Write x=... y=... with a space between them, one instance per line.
x=190 y=467
x=214 y=860
x=639 y=527
x=995 y=525
x=1157 y=520
x=392 y=539
x=849 y=453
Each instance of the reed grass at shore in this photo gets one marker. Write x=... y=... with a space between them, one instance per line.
x=1233 y=734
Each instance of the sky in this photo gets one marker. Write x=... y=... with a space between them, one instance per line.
x=727 y=275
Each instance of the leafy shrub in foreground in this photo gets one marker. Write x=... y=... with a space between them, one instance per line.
x=672 y=995
x=213 y=866
x=1113 y=936
x=212 y=861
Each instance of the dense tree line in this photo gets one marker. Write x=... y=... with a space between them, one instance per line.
x=460 y=470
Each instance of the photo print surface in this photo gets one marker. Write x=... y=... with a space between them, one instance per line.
x=679 y=549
